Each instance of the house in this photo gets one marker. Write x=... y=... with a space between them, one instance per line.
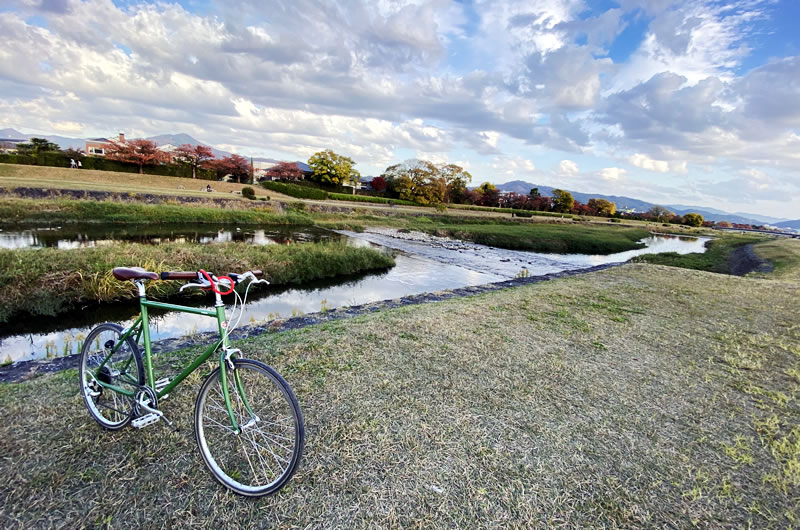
x=98 y=146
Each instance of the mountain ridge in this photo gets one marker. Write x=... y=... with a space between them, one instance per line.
x=630 y=204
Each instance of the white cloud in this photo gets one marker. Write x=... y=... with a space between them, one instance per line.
x=377 y=79
x=645 y=162
x=567 y=167
x=612 y=173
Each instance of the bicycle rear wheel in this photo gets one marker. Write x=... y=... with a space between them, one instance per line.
x=124 y=369
x=264 y=455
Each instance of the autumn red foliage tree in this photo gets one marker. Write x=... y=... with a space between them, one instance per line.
x=285 y=171
x=379 y=184
x=236 y=166
x=194 y=156
x=140 y=152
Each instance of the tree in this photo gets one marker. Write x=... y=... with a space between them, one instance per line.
x=139 y=152
x=602 y=207
x=534 y=194
x=285 y=171
x=194 y=156
x=693 y=219
x=562 y=201
x=328 y=167
x=36 y=146
x=236 y=166
x=455 y=180
x=378 y=184
x=416 y=180
x=660 y=214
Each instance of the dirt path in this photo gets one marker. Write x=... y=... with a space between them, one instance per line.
x=744 y=260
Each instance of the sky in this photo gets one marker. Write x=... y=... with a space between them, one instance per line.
x=687 y=102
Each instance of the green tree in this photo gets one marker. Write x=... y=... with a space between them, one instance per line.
x=36 y=146
x=534 y=194
x=328 y=167
x=693 y=219
x=602 y=207
x=563 y=201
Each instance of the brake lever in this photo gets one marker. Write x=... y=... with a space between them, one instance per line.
x=195 y=284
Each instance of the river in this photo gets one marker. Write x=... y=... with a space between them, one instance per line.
x=423 y=264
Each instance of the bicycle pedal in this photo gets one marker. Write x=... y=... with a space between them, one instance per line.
x=159 y=385
x=144 y=421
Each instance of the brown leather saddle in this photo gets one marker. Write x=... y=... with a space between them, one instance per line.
x=133 y=273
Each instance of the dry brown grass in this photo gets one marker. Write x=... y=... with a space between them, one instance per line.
x=16 y=175
x=641 y=396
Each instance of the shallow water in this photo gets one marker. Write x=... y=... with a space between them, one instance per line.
x=424 y=264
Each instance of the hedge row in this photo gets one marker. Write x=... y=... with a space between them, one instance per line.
x=367 y=198
x=294 y=190
x=514 y=211
x=59 y=159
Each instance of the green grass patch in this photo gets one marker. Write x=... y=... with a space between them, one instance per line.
x=49 y=281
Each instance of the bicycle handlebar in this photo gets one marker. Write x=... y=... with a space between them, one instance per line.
x=185 y=275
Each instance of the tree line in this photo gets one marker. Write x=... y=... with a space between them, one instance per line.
x=419 y=181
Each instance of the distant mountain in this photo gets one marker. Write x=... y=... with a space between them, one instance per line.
x=12 y=134
x=636 y=205
x=757 y=217
x=794 y=225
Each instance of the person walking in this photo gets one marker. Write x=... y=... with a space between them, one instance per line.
x=72 y=163
x=79 y=164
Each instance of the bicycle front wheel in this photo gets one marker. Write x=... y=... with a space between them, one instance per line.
x=264 y=455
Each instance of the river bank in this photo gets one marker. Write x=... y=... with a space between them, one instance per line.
x=636 y=396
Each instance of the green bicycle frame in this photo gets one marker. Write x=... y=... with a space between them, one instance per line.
x=141 y=328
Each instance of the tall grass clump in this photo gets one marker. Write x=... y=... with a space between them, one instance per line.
x=49 y=281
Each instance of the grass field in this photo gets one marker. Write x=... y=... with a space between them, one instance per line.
x=640 y=396
x=48 y=281
x=16 y=175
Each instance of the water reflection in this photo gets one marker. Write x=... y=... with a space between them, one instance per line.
x=87 y=236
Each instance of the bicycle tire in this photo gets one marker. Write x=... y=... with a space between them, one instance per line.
x=119 y=372
x=267 y=439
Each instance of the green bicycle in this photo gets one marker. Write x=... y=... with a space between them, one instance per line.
x=247 y=421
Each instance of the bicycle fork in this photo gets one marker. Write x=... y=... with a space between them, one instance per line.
x=226 y=359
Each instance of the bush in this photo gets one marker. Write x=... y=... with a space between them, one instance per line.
x=521 y=213
x=613 y=220
x=249 y=192
x=441 y=207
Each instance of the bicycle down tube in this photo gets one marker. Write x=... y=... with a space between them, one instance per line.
x=142 y=323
